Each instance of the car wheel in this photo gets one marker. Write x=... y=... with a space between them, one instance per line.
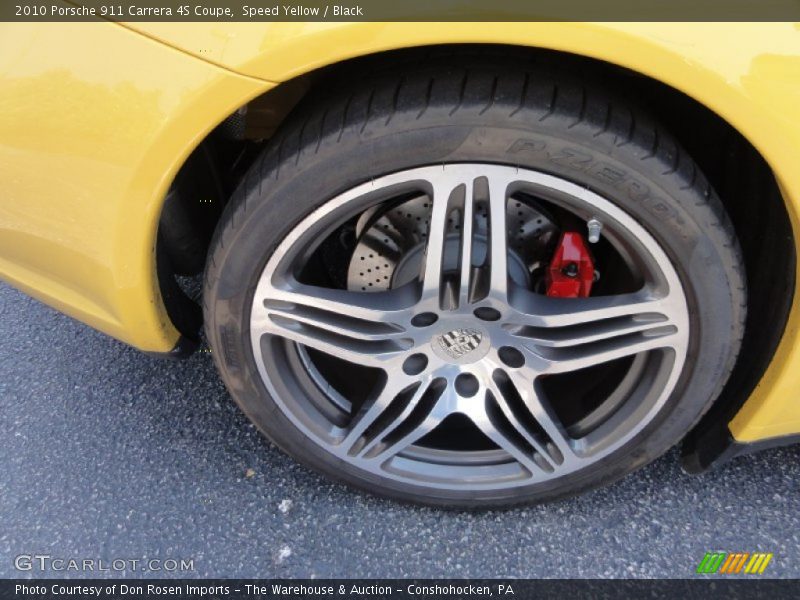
x=474 y=287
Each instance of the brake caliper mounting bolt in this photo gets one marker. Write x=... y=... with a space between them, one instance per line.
x=594 y=227
x=571 y=270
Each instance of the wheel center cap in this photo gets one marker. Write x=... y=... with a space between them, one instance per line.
x=461 y=345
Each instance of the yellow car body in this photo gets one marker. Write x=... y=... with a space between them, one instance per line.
x=97 y=118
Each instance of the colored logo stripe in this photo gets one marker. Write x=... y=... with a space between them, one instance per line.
x=711 y=562
x=758 y=563
x=733 y=563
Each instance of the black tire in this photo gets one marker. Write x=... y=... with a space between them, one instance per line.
x=490 y=112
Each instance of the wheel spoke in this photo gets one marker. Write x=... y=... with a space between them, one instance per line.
x=490 y=276
x=427 y=412
x=580 y=357
x=441 y=205
x=514 y=403
x=531 y=461
x=383 y=307
x=498 y=240
x=567 y=334
x=467 y=246
x=605 y=329
x=400 y=393
x=524 y=407
x=358 y=327
x=537 y=310
x=395 y=420
x=455 y=205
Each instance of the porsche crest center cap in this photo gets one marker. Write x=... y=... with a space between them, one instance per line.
x=461 y=345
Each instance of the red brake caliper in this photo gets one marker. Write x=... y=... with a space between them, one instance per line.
x=571 y=272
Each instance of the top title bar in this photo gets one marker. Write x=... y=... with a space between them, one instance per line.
x=398 y=10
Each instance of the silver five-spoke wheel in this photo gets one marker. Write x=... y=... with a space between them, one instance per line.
x=455 y=342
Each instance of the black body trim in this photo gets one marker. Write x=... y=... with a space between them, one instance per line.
x=183 y=349
x=719 y=447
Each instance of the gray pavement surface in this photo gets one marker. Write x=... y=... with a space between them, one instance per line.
x=107 y=453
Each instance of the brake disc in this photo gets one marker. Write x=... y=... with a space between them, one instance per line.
x=390 y=244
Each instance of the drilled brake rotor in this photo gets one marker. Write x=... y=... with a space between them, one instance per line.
x=390 y=243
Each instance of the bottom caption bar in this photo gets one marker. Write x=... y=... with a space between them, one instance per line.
x=394 y=588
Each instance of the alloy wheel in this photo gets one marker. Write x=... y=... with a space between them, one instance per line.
x=403 y=328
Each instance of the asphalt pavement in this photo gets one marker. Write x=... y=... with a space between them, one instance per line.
x=108 y=454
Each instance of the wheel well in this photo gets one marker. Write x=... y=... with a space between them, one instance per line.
x=735 y=168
